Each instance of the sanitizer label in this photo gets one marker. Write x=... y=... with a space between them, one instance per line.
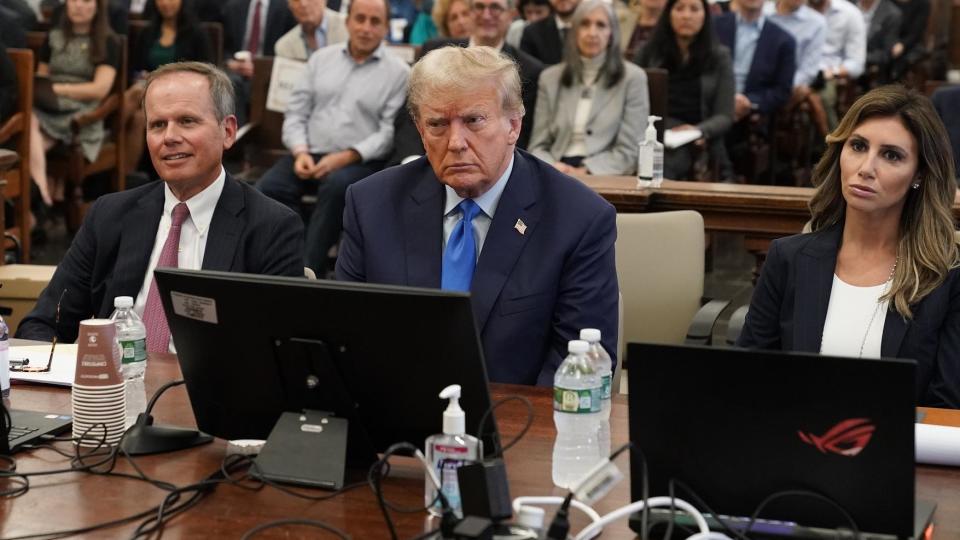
x=577 y=401
x=134 y=350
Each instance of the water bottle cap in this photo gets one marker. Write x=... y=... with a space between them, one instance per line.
x=591 y=335
x=123 y=302
x=577 y=346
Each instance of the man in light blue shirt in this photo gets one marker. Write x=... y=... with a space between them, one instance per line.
x=809 y=29
x=844 y=53
x=339 y=125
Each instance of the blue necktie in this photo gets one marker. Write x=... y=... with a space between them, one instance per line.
x=460 y=257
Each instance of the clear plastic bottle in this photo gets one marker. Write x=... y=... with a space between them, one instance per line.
x=650 y=157
x=577 y=413
x=132 y=336
x=603 y=365
x=448 y=451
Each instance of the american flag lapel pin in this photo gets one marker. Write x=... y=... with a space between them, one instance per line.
x=521 y=227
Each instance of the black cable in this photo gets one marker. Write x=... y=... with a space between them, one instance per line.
x=560 y=525
x=804 y=493
x=703 y=504
x=159 y=392
x=282 y=522
x=526 y=427
x=379 y=471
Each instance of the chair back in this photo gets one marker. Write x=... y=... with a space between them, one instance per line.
x=214 y=32
x=660 y=266
x=17 y=128
x=657 y=88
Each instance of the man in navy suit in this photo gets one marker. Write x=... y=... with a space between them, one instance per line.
x=223 y=224
x=534 y=247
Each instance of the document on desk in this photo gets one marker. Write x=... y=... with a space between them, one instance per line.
x=61 y=371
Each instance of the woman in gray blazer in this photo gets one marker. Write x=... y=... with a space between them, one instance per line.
x=592 y=108
x=701 y=81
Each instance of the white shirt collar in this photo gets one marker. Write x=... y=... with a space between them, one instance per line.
x=487 y=202
x=201 y=205
x=473 y=43
x=561 y=24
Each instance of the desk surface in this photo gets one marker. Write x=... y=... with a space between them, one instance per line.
x=72 y=500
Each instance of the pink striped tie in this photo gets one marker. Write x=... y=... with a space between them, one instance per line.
x=158 y=333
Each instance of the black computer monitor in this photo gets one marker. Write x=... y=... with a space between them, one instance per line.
x=252 y=347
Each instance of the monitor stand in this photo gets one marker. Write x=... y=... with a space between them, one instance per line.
x=145 y=438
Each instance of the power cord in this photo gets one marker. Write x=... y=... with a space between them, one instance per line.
x=498 y=453
x=804 y=493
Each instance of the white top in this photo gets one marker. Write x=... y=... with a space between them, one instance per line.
x=193 y=233
x=591 y=70
x=849 y=315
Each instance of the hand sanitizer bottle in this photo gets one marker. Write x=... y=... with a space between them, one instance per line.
x=446 y=452
x=650 y=159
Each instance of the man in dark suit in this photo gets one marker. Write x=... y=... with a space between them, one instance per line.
x=544 y=39
x=883 y=20
x=492 y=20
x=534 y=247
x=197 y=217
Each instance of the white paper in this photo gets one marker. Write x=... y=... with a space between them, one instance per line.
x=285 y=74
x=61 y=372
x=675 y=138
x=938 y=445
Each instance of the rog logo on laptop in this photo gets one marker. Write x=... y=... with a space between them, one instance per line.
x=847 y=438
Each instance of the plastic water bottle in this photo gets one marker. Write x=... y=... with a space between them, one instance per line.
x=602 y=363
x=132 y=335
x=577 y=413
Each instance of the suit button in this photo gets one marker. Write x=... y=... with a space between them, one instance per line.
x=589 y=132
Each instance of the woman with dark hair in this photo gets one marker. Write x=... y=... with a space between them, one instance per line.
x=592 y=108
x=174 y=35
x=878 y=275
x=701 y=80
x=80 y=57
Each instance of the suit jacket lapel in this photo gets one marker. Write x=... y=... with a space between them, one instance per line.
x=567 y=104
x=423 y=231
x=137 y=238
x=894 y=329
x=225 y=228
x=815 y=269
x=504 y=243
x=601 y=96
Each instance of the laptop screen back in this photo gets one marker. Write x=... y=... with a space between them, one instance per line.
x=737 y=426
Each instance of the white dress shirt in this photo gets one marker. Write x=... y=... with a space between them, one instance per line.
x=193 y=233
x=488 y=205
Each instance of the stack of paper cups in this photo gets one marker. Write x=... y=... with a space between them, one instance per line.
x=98 y=396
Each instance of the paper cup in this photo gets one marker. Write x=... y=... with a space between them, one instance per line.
x=98 y=355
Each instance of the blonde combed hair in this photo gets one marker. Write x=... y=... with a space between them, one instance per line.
x=457 y=69
x=927 y=247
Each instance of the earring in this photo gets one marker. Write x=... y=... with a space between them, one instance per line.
x=916 y=185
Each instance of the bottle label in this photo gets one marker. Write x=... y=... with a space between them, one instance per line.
x=582 y=401
x=607 y=383
x=134 y=350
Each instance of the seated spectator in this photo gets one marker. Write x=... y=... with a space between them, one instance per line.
x=16 y=19
x=946 y=100
x=544 y=39
x=80 y=57
x=491 y=20
x=173 y=35
x=592 y=108
x=701 y=81
x=339 y=125
x=879 y=276
x=882 y=19
x=317 y=27
x=809 y=30
x=909 y=49
x=423 y=27
x=638 y=26
x=764 y=66
x=8 y=85
x=117 y=14
x=453 y=18
x=844 y=53
x=531 y=11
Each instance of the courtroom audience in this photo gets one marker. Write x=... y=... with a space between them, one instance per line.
x=878 y=275
x=638 y=26
x=453 y=18
x=844 y=54
x=544 y=39
x=909 y=48
x=531 y=11
x=338 y=125
x=317 y=26
x=80 y=57
x=946 y=100
x=882 y=19
x=423 y=27
x=8 y=85
x=592 y=108
x=700 y=81
x=809 y=30
x=534 y=247
x=173 y=35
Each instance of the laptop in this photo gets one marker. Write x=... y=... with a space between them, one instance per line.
x=737 y=426
x=31 y=427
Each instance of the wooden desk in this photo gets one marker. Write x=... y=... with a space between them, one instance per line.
x=71 y=500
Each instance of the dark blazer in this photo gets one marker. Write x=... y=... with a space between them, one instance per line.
x=109 y=256
x=531 y=291
x=542 y=41
x=12 y=34
x=883 y=33
x=8 y=85
x=191 y=44
x=769 y=83
x=789 y=307
x=946 y=100
x=530 y=69
x=234 y=15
